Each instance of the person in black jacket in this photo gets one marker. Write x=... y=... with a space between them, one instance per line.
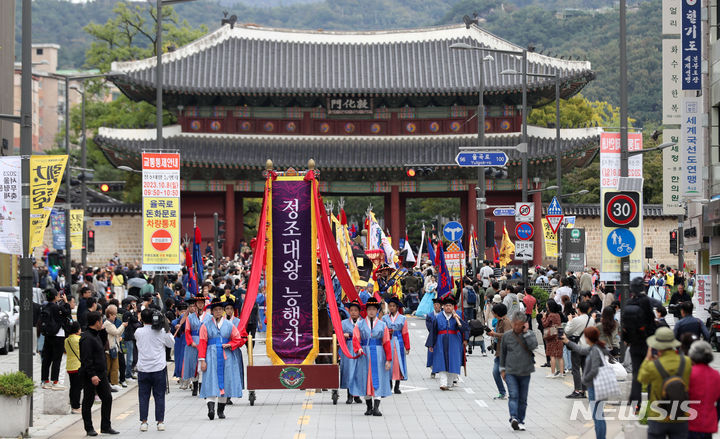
x=93 y=371
x=83 y=307
x=53 y=323
x=130 y=316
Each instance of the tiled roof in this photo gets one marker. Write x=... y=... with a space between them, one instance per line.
x=123 y=146
x=249 y=59
x=593 y=210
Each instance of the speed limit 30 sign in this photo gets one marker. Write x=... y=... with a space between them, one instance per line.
x=622 y=209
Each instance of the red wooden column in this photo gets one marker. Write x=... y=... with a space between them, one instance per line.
x=537 y=224
x=240 y=218
x=394 y=215
x=464 y=204
x=230 y=221
x=401 y=218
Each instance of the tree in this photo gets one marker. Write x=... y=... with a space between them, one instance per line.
x=576 y=112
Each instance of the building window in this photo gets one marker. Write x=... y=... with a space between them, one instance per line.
x=242 y=112
x=407 y=113
x=318 y=113
x=457 y=111
x=217 y=112
x=39 y=51
x=294 y=113
x=382 y=113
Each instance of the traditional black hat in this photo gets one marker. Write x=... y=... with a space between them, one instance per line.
x=395 y=300
x=229 y=302
x=216 y=302
x=182 y=306
x=436 y=300
x=372 y=302
x=354 y=303
x=448 y=298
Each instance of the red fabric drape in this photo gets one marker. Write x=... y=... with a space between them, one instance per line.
x=326 y=246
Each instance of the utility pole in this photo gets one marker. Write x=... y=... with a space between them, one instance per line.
x=524 y=155
x=625 y=261
x=83 y=193
x=68 y=198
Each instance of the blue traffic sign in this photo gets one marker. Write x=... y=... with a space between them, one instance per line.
x=554 y=208
x=453 y=231
x=100 y=223
x=524 y=231
x=621 y=242
x=481 y=159
x=504 y=211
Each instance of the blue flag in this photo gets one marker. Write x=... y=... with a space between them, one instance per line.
x=444 y=285
x=431 y=252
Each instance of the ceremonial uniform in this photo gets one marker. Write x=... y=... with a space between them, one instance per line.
x=349 y=366
x=179 y=348
x=190 y=356
x=399 y=342
x=447 y=340
x=373 y=338
x=429 y=321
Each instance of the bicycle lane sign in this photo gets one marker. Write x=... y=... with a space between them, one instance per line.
x=620 y=242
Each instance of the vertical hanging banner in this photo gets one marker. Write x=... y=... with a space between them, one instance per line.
x=46 y=173
x=161 y=211
x=671 y=84
x=609 y=178
x=11 y=210
x=76 y=228
x=291 y=272
x=672 y=174
x=692 y=140
x=57 y=225
x=691 y=37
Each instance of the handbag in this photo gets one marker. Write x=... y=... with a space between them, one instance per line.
x=576 y=338
x=620 y=372
x=549 y=333
x=605 y=382
x=113 y=353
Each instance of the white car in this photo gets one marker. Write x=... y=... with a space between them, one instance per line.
x=9 y=321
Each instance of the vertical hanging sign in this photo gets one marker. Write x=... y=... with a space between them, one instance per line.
x=291 y=273
x=672 y=174
x=57 y=225
x=161 y=212
x=76 y=229
x=691 y=144
x=691 y=37
x=10 y=207
x=46 y=173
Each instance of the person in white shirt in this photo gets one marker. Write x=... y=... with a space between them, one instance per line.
x=151 y=366
x=564 y=290
x=486 y=272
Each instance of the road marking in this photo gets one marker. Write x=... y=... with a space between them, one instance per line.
x=408 y=389
x=124 y=415
x=303 y=420
x=299 y=436
x=469 y=390
x=481 y=403
x=460 y=378
x=307 y=405
x=413 y=324
x=310 y=392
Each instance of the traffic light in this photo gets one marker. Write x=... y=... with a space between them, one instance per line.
x=411 y=172
x=673 y=242
x=91 y=241
x=419 y=172
x=493 y=172
x=489 y=233
x=219 y=233
x=104 y=187
x=109 y=186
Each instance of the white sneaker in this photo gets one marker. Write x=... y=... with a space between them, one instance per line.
x=47 y=385
x=550 y=375
x=144 y=426
x=161 y=426
x=521 y=426
x=58 y=386
x=114 y=388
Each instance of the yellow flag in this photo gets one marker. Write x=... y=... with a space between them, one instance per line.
x=507 y=248
x=76 y=228
x=46 y=172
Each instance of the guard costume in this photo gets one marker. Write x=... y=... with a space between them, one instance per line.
x=179 y=348
x=192 y=335
x=372 y=337
x=349 y=366
x=429 y=320
x=399 y=343
x=447 y=335
x=222 y=378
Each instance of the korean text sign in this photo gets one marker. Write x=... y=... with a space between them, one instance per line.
x=161 y=211
x=691 y=37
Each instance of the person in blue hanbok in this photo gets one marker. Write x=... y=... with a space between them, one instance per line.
x=448 y=339
x=177 y=327
x=372 y=338
x=349 y=366
x=193 y=323
x=399 y=341
x=429 y=319
x=260 y=300
x=426 y=303
x=230 y=308
x=221 y=377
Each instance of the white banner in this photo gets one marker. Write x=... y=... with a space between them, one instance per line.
x=610 y=158
x=671 y=17
x=11 y=210
x=671 y=87
x=692 y=145
x=672 y=173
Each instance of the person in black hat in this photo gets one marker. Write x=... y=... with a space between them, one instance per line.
x=429 y=319
x=371 y=337
x=449 y=342
x=400 y=341
x=348 y=366
x=221 y=377
x=230 y=308
x=195 y=318
x=177 y=328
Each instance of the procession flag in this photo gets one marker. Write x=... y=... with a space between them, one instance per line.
x=378 y=240
x=410 y=256
x=444 y=284
x=431 y=252
x=507 y=248
x=422 y=241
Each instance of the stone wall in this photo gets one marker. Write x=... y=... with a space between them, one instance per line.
x=656 y=234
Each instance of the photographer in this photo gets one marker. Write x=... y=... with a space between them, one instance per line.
x=54 y=320
x=129 y=316
x=152 y=339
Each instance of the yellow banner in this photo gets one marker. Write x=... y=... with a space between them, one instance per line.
x=550 y=239
x=46 y=172
x=161 y=233
x=76 y=228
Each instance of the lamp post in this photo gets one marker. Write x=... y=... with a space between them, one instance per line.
x=83 y=164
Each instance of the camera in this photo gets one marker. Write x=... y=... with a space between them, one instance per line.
x=158 y=320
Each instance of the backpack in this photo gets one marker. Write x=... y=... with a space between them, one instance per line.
x=471 y=297
x=633 y=327
x=674 y=391
x=46 y=322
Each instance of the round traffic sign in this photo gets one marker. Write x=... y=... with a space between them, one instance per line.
x=524 y=231
x=621 y=209
x=525 y=209
x=161 y=240
x=621 y=242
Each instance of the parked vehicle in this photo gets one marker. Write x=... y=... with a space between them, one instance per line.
x=9 y=322
x=713 y=325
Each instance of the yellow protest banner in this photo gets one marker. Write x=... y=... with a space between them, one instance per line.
x=46 y=172
x=550 y=238
x=76 y=228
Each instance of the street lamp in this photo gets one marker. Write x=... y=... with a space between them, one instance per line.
x=83 y=164
x=523 y=155
x=128 y=169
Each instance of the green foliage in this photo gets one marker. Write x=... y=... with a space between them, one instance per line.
x=541 y=295
x=16 y=385
x=577 y=111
